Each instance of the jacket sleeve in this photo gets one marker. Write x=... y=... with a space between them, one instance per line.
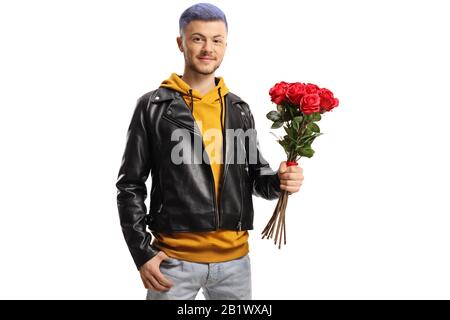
x=266 y=183
x=131 y=189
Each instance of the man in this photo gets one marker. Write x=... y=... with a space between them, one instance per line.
x=201 y=207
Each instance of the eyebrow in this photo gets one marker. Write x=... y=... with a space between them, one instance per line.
x=196 y=33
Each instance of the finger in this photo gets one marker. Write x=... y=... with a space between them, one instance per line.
x=162 y=279
x=291 y=176
x=288 y=176
x=289 y=188
x=287 y=182
x=291 y=182
x=150 y=286
x=156 y=285
x=294 y=169
x=146 y=283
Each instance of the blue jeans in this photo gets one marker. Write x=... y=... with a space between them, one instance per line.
x=228 y=280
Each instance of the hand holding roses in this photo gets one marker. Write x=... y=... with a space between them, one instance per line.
x=299 y=107
x=291 y=177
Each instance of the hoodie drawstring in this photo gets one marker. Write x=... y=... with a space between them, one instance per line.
x=221 y=110
x=221 y=107
x=192 y=101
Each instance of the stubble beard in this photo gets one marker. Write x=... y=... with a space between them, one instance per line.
x=202 y=71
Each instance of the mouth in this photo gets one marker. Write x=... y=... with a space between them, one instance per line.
x=205 y=58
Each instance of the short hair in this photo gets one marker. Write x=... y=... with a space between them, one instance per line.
x=201 y=11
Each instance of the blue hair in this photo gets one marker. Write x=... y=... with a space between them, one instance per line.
x=201 y=11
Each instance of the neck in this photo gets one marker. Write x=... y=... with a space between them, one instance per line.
x=200 y=82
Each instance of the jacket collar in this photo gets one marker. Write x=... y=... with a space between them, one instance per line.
x=185 y=119
x=166 y=94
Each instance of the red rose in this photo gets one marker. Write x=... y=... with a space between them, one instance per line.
x=311 y=88
x=336 y=102
x=295 y=92
x=327 y=99
x=310 y=103
x=278 y=92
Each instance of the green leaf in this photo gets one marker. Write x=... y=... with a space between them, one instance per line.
x=295 y=125
x=285 y=145
x=313 y=127
x=298 y=119
x=306 y=152
x=277 y=124
x=307 y=131
x=307 y=141
x=314 y=135
x=290 y=131
x=316 y=116
x=280 y=108
x=273 y=115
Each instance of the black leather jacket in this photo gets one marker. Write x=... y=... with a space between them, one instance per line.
x=182 y=196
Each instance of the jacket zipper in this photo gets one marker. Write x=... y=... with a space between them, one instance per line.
x=224 y=165
x=244 y=123
x=239 y=225
x=180 y=124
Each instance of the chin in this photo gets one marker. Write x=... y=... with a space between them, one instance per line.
x=205 y=71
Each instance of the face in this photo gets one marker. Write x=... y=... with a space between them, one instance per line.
x=203 y=45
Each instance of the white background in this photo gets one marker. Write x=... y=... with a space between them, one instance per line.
x=372 y=218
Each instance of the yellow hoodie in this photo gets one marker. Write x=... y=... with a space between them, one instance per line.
x=211 y=246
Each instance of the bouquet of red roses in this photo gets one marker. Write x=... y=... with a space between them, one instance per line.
x=299 y=108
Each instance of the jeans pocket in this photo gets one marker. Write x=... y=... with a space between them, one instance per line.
x=170 y=262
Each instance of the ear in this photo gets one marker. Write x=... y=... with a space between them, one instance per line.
x=180 y=43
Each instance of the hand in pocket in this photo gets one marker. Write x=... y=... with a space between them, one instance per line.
x=151 y=276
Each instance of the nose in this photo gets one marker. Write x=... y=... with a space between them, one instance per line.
x=208 y=46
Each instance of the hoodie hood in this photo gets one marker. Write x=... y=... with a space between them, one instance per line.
x=193 y=96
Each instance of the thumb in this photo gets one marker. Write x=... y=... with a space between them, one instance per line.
x=162 y=255
x=283 y=167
